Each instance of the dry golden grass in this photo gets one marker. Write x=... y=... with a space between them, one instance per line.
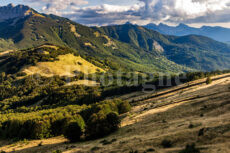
x=109 y=43
x=97 y=34
x=83 y=82
x=67 y=65
x=38 y=15
x=5 y=52
x=89 y=44
x=49 y=46
x=73 y=30
x=24 y=145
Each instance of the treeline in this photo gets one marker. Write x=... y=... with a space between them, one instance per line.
x=159 y=82
x=191 y=76
x=75 y=123
x=52 y=92
x=48 y=92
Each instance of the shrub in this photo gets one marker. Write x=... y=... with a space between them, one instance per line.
x=40 y=144
x=124 y=107
x=58 y=127
x=166 y=143
x=191 y=126
x=100 y=125
x=209 y=80
x=57 y=151
x=113 y=121
x=201 y=132
x=150 y=150
x=75 y=129
x=190 y=149
x=40 y=129
x=12 y=127
x=95 y=126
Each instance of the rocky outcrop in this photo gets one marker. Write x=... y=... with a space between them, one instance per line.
x=10 y=11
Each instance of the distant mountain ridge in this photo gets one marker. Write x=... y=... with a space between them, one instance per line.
x=216 y=33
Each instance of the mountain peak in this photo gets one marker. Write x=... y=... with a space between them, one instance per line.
x=162 y=24
x=182 y=25
x=151 y=24
x=11 y=5
x=11 y=11
x=128 y=22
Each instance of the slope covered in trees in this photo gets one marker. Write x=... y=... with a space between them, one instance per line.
x=193 y=51
x=37 y=29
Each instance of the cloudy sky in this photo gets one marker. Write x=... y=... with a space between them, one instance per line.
x=104 y=12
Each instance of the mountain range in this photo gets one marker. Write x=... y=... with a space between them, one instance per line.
x=194 y=51
x=128 y=47
x=217 y=33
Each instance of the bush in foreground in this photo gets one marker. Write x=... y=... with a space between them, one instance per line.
x=75 y=129
x=124 y=107
x=166 y=143
x=100 y=125
x=209 y=80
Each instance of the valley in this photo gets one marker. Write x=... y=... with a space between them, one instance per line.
x=185 y=114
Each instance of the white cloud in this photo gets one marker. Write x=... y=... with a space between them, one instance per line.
x=183 y=10
x=57 y=6
x=144 y=11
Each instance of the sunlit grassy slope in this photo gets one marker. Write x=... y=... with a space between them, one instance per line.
x=67 y=65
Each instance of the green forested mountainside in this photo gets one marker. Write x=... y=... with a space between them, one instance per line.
x=193 y=51
x=128 y=46
x=39 y=29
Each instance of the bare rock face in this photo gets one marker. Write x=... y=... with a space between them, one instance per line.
x=10 y=11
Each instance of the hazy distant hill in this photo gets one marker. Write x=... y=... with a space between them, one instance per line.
x=217 y=33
